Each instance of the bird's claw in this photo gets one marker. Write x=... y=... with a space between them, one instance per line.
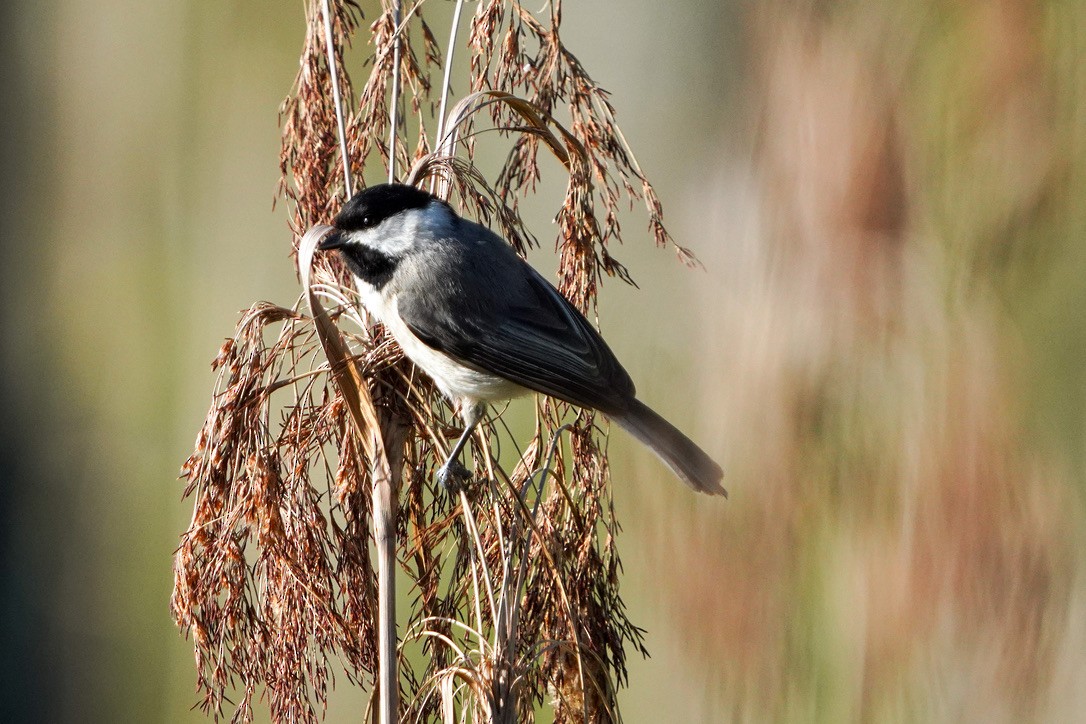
x=452 y=475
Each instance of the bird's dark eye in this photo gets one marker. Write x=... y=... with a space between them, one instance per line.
x=367 y=222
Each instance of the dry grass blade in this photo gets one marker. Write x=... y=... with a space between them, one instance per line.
x=354 y=391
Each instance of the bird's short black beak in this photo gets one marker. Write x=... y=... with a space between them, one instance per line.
x=336 y=239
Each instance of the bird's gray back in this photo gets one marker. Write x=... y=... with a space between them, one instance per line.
x=470 y=296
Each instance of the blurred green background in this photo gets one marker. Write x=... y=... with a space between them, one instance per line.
x=885 y=348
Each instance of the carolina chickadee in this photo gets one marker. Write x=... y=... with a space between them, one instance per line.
x=485 y=325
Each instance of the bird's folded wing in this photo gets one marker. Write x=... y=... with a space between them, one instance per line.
x=530 y=335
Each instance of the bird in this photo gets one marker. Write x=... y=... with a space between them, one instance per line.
x=486 y=326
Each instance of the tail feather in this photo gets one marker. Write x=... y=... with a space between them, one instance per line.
x=675 y=449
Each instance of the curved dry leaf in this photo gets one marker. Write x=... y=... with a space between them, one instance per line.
x=351 y=385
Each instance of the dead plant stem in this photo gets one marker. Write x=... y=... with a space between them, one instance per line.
x=329 y=43
x=442 y=189
x=384 y=536
x=394 y=105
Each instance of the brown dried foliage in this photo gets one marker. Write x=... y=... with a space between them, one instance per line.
x=514 y=585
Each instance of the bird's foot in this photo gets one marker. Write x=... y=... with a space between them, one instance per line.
x=452 y=475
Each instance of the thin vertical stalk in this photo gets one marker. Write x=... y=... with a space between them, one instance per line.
x=384 y=535
x=384 y=496
x=383 y=499
x=442 y=189
x=394 y=106
x=329 y=44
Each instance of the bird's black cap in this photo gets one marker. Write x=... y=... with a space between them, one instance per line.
x=370 y=207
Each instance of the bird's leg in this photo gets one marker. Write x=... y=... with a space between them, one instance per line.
x=452 y=472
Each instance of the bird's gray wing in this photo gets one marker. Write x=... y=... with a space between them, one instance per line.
x=512 y=323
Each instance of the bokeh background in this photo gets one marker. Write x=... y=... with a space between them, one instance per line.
x=885 y=348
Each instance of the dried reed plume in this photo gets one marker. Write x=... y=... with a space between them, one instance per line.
x=513 y=584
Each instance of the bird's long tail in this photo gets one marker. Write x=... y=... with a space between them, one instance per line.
x=678 y=452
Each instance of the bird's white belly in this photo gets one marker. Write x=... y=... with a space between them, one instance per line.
x=456 y=381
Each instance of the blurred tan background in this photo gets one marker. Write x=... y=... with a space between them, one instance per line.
x=885 y=349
